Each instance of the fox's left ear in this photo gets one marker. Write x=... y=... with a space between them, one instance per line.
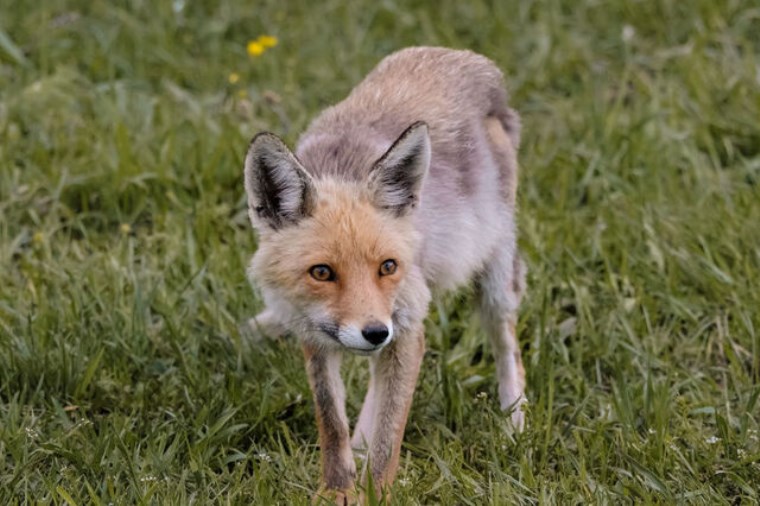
x=396 y=178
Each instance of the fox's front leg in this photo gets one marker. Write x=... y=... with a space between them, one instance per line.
x=338 y=467
x=393 y=380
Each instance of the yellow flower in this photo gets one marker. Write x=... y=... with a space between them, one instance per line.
x=38 y=238
x=267 y=40
x=125 y=228
x=234 y=77
x=255 y=48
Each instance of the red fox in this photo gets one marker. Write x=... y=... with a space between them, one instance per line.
x=405 y=188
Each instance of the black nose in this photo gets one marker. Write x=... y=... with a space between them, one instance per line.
x=375 y=333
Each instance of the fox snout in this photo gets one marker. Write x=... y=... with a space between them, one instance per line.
x=373 y=336
x=376 y=333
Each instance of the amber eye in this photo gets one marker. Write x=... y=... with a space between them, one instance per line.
x=388 y=267
x=322 y=273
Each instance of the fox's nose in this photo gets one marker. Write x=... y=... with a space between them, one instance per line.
x=375 y=333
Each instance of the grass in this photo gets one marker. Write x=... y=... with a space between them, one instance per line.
x=125 y=377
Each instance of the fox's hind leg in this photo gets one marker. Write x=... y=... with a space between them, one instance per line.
x=365 y=422
x=272 y=321
x=266 y=324
x=501 y=286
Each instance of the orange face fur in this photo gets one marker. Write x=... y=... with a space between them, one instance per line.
x=349 y=235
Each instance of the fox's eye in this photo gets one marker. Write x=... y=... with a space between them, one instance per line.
x=388 y=267
x=322 y=273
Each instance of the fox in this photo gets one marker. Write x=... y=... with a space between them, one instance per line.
x=404 y=190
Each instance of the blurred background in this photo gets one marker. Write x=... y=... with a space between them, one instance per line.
x=126 y=375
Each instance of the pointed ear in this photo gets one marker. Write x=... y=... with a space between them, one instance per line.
x=396 y=178
x=280 y=191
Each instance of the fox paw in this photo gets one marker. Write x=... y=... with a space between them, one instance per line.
x=516 y=409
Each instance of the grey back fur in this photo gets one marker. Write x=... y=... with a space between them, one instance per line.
x=466 y=209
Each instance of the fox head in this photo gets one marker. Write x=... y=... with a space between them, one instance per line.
x=336 y=252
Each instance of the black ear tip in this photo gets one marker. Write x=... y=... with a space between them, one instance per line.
x=419 y=130
x=418 y=125
x=262 y=138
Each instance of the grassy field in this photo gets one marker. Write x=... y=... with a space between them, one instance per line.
x=125 y=377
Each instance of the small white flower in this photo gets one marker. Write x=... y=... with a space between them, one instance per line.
x=264 y=456
x=712 y=440
x=628 y=33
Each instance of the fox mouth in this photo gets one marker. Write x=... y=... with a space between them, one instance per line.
x=330 y=330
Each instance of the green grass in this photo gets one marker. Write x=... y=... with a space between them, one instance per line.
x=125 y=378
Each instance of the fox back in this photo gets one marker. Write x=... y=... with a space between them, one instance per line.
x=467 y=198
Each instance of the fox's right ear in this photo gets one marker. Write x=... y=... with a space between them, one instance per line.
x=280 y=191
x=396 y=179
